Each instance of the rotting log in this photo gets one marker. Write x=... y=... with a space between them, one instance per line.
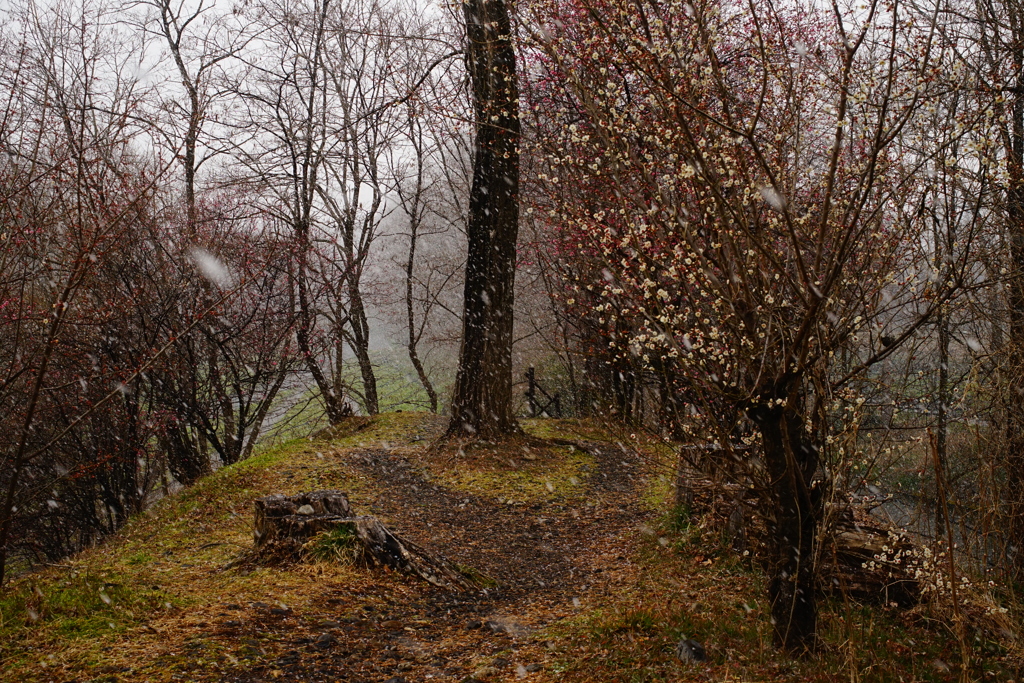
x=862 y=558
x=285 y=525
x=871 y=563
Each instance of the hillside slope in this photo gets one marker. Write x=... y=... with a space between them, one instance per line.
x=584 y=576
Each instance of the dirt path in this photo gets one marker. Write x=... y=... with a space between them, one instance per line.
x=547 y=560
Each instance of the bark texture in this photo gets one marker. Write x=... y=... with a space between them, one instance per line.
x=792 y=526
x=1014 y=391
x=482 y=401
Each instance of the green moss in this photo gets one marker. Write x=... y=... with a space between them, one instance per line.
x=476 y=576
x=571 y=428
x=138 y=558
x=390 y=429
x=560 y=474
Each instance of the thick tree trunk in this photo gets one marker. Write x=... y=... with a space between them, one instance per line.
x=482 y=401
x=186 y=459
x=792 y=524
x=1014 y=373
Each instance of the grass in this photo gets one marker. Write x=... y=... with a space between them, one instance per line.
x=337 y=545
x=162 y=573
x=553 y=474
x=690 y=585
x=148 y=600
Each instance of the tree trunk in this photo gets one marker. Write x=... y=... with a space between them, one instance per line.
x=792 y=523
x=410 y=264
x=261 y=413
x=1014 y=391
x=361 y=341
x=482 y=401
x=334 y=404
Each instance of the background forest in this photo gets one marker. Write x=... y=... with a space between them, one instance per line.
x=786 y=239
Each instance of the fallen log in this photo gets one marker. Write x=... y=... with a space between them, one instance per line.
x=861 y=557
x=287 y=528
x=871 y=563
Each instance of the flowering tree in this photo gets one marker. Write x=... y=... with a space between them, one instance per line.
x=741 y=177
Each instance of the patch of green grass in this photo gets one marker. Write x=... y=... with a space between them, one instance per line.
x=476 y=576
x=659 y=490
x=398 y=384
x=75 y=606
x=306 y=415
x=571 y=428
x=558 y=474
x=677 y=520
x=386 y=430
x=138 y=558
x=340 y=544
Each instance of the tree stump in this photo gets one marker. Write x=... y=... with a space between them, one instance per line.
x=285 y=526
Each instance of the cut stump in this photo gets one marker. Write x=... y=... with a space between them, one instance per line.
x=285 y=525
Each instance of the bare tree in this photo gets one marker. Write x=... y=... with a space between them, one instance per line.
x=73 y=189
x=198 y=42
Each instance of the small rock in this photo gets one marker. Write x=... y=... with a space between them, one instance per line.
x=473 y=625
x=499 y=663
x=485 y=672
x=280 y=611
x=509 y=626
x=534 y=668
x=305 y=510
x=392 y=625
x=325 y=640
x=689 y=650
x=232 y=606
x=330 y=623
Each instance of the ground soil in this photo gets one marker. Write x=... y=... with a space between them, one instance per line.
x=541 y=562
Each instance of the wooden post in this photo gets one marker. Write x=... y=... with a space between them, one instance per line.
x=531 y=391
